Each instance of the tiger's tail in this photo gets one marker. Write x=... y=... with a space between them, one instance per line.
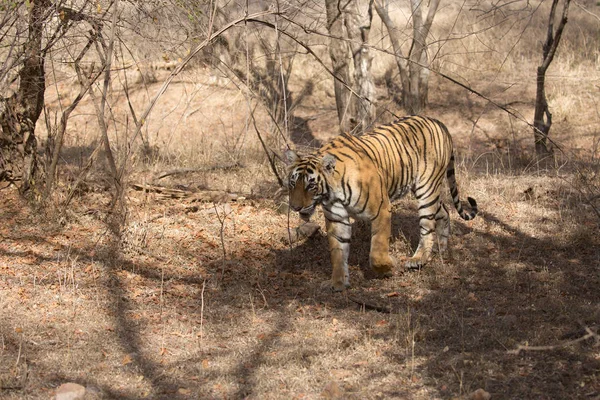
x=454 y=192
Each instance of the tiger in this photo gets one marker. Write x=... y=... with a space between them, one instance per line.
x=360 y=176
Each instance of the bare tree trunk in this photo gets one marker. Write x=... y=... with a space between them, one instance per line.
x=542 y=118
x=382 y=8
x=20 y=114
x=358 y=26
x=100 y=105
x=414 y=72
x=338 y=51
x=31 y=92
x=416 y=95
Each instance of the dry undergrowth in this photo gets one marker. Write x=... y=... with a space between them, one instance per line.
x=170 y=309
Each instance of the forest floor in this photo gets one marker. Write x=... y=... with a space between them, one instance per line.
x=180 y=305
x=197 y=297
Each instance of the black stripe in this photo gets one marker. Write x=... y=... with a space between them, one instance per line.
x=432 y=202
x=338 y=221
x=378 y=210
x=340 y=239
x=366 y=202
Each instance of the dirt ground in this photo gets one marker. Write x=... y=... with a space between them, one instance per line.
x=207 y=300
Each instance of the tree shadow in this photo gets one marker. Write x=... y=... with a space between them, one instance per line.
x=501 y=288
x=524 y=290
x=497 y=291
x=301 y=134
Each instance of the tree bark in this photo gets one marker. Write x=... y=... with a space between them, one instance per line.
x=542 y=118
x=338 y=51
x=419 y=61
x=401 y=61
x=20 y=113
x=358 y=26
x=414 y=72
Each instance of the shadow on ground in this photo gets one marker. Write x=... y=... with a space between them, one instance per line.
x=447 y=329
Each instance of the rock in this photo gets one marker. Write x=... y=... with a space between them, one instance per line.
x=480 y=394
x=70 y=391
x=332 y=391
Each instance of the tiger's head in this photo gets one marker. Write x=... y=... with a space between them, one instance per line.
x=307 y=181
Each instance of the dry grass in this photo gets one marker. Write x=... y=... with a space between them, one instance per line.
x=192 y=299
x=153 y=315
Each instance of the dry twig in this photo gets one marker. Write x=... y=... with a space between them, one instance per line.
x=589 y=334
x=369 y=306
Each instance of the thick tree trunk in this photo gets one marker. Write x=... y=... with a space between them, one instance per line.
x=358 y=26
x=18 y=144
x=338 y=51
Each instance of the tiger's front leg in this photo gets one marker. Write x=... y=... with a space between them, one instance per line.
x=339 y=233
x=381 y=231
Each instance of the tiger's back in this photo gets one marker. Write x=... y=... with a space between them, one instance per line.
x=411 y=153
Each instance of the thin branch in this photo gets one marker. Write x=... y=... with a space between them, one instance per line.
x=369 y=306
x=553 y=40
x=589 y=334
x=587 y=11
x=266 y=149
x=82 y=175
x=254 y=94
x=222 y=220
x=107 y=78
x=85 y=87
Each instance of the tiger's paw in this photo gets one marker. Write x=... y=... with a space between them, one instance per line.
x=382 y=271
x=336 y=286
x=383 y=268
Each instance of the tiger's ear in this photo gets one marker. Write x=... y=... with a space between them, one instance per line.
x=290 y=157
x=328 y=163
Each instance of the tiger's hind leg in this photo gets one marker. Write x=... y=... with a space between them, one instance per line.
x=442 y=228
x=429 y=207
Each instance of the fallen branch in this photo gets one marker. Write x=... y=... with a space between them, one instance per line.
x=589 y=334
x=174 y=193
x=181 y=171
x=368 y=306
x=217 y=196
